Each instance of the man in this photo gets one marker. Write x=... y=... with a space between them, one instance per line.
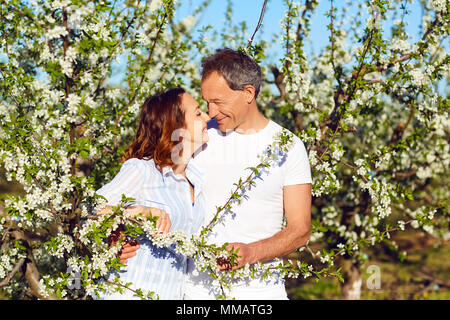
x=230 y=85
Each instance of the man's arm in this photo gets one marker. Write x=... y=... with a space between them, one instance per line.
x=129 y=248
x=297 y=210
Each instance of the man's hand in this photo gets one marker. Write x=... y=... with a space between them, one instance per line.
x=129 y=248
x=246 y=254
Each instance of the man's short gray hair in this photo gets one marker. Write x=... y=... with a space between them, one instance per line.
x=237 y=68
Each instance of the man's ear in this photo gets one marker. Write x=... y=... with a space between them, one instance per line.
x=249 y=92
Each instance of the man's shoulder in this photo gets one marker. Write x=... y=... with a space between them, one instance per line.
x=277 y=128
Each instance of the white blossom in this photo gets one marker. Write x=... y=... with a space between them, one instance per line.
x=56 y=32
x=439 y=5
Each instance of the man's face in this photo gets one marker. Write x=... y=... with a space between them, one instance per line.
x=227 y=106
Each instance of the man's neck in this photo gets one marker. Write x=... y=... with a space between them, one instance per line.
x=254 y=122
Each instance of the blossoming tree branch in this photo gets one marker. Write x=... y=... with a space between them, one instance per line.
x=369 y=107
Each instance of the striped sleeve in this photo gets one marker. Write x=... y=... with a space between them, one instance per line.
x=128 y=181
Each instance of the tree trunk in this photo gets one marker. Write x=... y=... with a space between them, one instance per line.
x=32 y=277
x=351 y=288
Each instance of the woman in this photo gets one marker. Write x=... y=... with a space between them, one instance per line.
x=157 y=173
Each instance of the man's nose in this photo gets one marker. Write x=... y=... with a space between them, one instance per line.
x=212 y=111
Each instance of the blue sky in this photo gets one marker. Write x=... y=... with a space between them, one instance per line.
x=249 y=11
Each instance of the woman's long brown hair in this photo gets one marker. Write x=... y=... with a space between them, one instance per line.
x=161 y=114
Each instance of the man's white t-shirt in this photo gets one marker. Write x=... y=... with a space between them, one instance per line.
x=225 y=159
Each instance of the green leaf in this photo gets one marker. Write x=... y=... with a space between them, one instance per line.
x=18 y=245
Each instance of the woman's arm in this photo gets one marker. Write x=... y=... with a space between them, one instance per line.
x=129 y=181
x=163 y=223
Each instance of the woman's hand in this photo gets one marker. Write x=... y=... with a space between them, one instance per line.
x=163 y=223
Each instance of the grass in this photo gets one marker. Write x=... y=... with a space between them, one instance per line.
x=423 y=275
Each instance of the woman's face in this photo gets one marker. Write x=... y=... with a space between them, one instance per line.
x=195 y=122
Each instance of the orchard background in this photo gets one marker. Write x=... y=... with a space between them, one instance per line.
x=371 y=106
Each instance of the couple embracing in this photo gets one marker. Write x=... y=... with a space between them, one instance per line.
x=183 y=191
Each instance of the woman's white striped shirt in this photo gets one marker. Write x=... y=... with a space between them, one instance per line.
x=157 y=269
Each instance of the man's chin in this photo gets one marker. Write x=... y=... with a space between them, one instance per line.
x=224 y=126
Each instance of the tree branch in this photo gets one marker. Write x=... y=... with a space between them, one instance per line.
x=261 y=17
x=147 y=63
x=16 y=268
